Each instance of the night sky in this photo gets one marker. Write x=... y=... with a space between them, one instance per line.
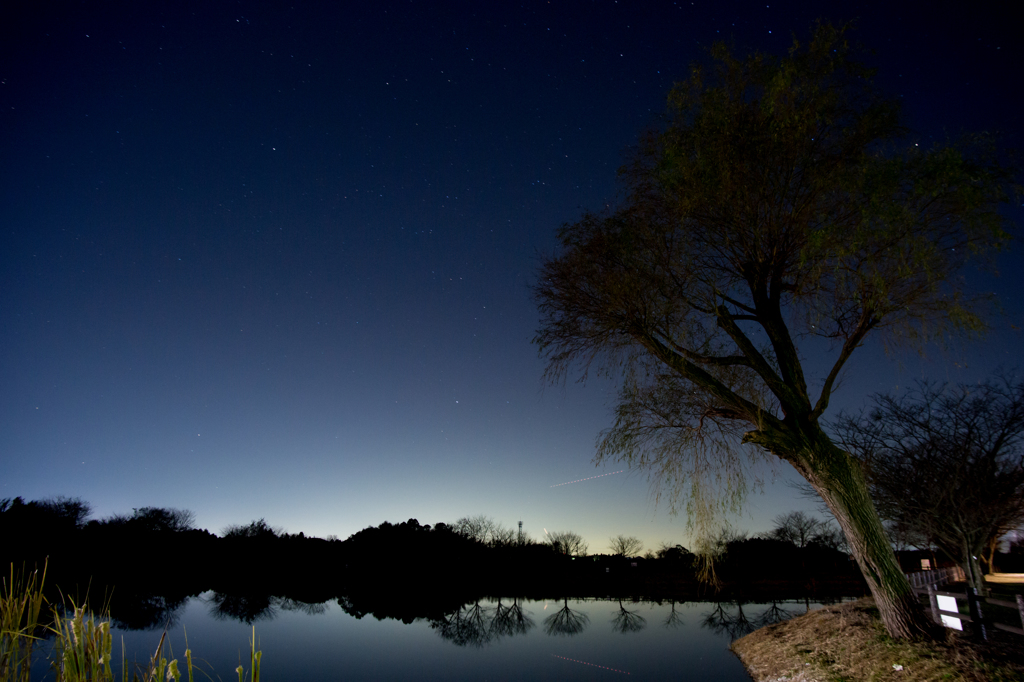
x=263 y=260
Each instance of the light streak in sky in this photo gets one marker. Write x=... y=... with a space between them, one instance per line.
x=594 y=665
x=588 y=478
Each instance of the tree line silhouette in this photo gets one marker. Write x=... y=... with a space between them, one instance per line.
x=144 y=566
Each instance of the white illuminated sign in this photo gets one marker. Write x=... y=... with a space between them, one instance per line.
x=949 y=604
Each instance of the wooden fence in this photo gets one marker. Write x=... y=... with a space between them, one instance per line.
x=974 y=614
x=942 y=576
x=929 y=582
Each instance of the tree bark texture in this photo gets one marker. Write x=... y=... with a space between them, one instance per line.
x=839 y=479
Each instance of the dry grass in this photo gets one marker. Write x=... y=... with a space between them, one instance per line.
x=847 y=643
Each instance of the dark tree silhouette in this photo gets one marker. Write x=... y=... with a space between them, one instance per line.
x=673 y=553
x=259 y=529
x=568 y=543
x=796 y=527
x=780 y=206
x=74 y=510
x=947 y=464
x=626 y=546
x=59 y=511
x=158 y=519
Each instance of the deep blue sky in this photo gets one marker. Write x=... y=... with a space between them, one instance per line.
x=259 y=260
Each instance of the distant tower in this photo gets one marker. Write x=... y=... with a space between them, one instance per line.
x=519 y=540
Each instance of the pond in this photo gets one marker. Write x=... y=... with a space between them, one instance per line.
x=489 y=639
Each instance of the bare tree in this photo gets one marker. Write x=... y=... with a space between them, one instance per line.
x=904 y=537
x=567 y=542
x=485 y=530
x=156 y=519
x=474 y=527
x=624 y=546
x=779 y=207
x=502 y=536
x=796 y=527
x=947 y=463
x=831 y=537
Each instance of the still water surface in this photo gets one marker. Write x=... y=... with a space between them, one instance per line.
x=588 y=639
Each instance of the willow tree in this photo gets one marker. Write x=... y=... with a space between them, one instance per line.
x=778 y=214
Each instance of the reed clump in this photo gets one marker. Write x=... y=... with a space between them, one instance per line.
x=21 y=603
x=82 y=644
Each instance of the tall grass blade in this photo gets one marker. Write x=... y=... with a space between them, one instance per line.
x=82 y=644
x=21 y=602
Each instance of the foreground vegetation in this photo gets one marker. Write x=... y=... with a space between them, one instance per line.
x=82 y=645
x=847 y=643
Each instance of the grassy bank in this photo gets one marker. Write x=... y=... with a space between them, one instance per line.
x=82 y=646
x=847 y=643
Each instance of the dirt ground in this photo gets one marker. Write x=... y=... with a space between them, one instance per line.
x=847 y=643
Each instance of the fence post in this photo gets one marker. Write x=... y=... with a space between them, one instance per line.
x=934 y=602
x=974 y=606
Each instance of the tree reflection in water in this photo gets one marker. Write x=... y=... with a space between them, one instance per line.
x=772 y=615
x=674 y=619
x=628 y=621
x=466 y=626
x=289 y=604
x=247 y=608
x=565 y=621
x=739 y=624
x=720 y=621
x=145 y=611
x=509 y=621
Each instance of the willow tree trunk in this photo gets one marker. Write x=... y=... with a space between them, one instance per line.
x=839 y=479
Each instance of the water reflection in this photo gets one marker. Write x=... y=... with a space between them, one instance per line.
x=511 y=620
x=775 y=614
x=432 y=636
x=247 y=608
x=251 y=608
x=723 y=619
x=466 y=626
x=146 y=611
x=288 y=604
x=674 y=619
x=566 y=622
x=628 y=621
x=464 y=623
